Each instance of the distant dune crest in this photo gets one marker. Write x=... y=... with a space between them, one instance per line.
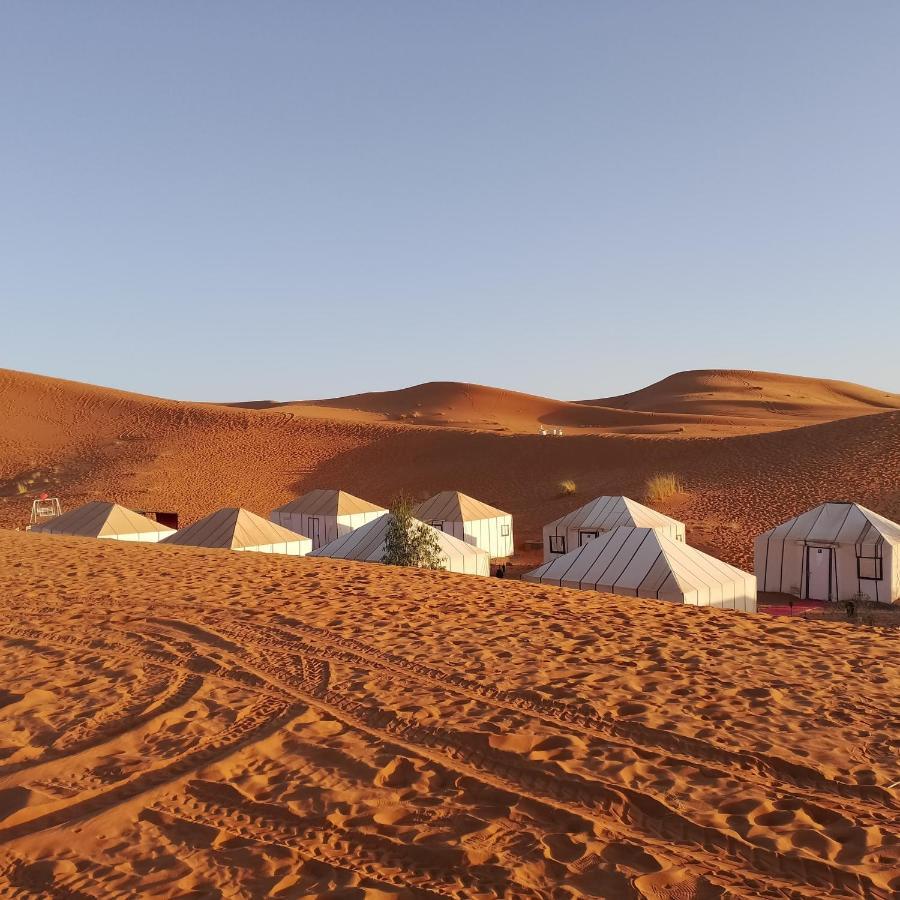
x=720 y=399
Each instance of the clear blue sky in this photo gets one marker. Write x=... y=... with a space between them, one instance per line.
x=225 y=201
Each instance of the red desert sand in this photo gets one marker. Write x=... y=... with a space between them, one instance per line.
x=185 y=722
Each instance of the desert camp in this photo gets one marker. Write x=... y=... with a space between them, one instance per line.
x=449 y=451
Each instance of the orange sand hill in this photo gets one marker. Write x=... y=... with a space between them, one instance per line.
x=200 y=723
x=82 y=443
x=760 y=396
x=693 y=404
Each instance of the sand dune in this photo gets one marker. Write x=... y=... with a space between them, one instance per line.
x=86 y=443
x=453 y=404
x=755 y=395
x=693 y=404
x=188 y=722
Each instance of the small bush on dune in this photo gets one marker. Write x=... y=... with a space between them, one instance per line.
x=567 y=487
x=662 y=486
x=408 y=543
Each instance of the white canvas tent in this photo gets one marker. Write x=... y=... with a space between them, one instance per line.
x=470 y=520
x=367 y=544
x=832 y=552
x=644 y=562
x=233 y=528
x=106 y=521
x=325 y=515
x=602 y=515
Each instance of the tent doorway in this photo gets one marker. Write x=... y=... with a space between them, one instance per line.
x=312 y=523
x=818 y=573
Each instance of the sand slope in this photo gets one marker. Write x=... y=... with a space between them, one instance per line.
x=710 y=402
x=86 y=443
x=453 y=404
x=180 y=721
x=744 y=394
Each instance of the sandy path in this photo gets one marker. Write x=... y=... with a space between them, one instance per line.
x=299 y=727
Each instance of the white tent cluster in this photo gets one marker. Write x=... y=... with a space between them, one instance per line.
x=619 y=546
x=469 y=520
x=326 y=515
x=367 y=544
x=834 y=552
x=601 y=515
x=646 y=562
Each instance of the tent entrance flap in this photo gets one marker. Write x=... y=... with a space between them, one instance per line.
x=819 y=583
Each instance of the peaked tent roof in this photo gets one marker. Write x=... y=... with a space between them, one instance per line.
x=836 y=523
x=607 y=513
x=452 y=506
x=367 y=543
x=233 y=528
x=639 y=562
x=100 y=519
x=325 y=502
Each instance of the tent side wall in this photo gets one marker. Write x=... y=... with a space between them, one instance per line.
x=893 y=560
x=143 y=537
x=329 y=529
x=781 y=567
x=488 y=534
x=287 y=548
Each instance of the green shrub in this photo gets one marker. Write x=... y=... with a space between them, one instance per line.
x=409 y=543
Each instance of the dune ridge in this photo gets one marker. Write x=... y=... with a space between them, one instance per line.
x=85 y=443
x=183 y=721
x=697 y=403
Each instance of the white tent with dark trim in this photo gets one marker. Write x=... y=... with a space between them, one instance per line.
x=234 y=528
x=600 y=516
x=107 y=522
x=833 y=552
x=367 y=545
x=645 y=562
x=325 y=515
x=470 y=520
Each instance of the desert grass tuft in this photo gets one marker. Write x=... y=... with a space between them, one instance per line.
x=567 y=487
x=662 y=486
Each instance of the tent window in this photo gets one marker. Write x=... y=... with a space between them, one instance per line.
x=557 y=543
x=438 y=525
x=869 y=568
x=504 y=531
